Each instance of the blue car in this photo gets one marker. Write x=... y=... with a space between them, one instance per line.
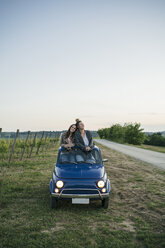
x=80 y=177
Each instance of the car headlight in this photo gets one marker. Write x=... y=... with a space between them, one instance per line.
x=59 y=184
x=100 y=183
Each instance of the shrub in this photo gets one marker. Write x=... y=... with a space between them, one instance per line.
x=155 y=139
x=129 y=133
x=134 y=134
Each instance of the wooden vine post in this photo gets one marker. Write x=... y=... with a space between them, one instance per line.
x=49 y=136
x=27 y=137
x=44 y=142
x=12 y=150
x=34 y=140
x=40 y=143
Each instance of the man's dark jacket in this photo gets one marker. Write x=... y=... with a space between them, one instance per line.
x=79 y=142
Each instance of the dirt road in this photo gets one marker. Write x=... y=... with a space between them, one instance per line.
x=154 y=158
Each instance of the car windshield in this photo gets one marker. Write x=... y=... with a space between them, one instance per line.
x=75 y=157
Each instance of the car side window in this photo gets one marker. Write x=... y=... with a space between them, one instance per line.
x=64 y=158
x=96 y=155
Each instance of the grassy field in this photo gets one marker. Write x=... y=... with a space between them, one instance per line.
x=153 y=148
x=135 y=217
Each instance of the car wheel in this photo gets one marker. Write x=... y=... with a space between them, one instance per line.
x=53 y=202
x=105 y=203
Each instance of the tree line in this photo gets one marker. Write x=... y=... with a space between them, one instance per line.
x=155 y=139
x=131 y=133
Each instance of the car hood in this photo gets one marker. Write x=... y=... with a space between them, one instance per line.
x=79 y=171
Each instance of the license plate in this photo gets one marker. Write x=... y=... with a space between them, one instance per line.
x=80 y=200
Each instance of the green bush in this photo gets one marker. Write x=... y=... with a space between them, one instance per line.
x=155 y=139
x=129 y=133
x=134 y=134
x=117 y=133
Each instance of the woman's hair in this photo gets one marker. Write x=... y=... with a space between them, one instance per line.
x=68 y=132
x=77 y=123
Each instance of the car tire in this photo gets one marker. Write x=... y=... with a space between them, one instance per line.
x=105 y=203
x=53 y=202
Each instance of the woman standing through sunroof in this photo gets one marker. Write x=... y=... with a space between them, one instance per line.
x=68 y=138
x=83 y=138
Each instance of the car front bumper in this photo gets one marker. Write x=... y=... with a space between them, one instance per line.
x=99 y=195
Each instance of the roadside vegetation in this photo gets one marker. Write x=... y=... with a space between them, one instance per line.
x=134 y=219
x=155 y=139
x=133 y=134
x=151 y=147
x=129 y=133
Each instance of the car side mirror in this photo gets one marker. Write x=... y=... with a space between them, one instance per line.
x=105 y=160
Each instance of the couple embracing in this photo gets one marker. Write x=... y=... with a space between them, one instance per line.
x=77 y=136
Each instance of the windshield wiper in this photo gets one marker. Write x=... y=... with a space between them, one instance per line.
x=65 y=162
x=84 y=162
x=68 y=162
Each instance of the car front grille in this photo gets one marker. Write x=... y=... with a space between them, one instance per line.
x=80 y=191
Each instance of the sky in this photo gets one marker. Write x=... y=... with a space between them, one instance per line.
x=101 y=61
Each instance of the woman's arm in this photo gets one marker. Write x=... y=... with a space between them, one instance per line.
x=62 y=141
x=90 y=139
